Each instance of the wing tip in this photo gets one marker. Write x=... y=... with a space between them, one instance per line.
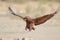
x=55 y=12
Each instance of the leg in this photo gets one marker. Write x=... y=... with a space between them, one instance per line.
x=33 y=28
x=25 y=28
x=30 y=28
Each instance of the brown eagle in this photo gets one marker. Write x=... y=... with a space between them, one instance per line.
x=30 y=23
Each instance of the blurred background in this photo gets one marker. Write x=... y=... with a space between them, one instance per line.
x=20 y=1
x=13 y=27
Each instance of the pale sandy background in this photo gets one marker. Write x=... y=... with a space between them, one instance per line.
x=12 y=27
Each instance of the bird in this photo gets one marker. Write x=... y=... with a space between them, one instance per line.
x=30 y=23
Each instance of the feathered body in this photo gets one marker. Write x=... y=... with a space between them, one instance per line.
x=30 y=23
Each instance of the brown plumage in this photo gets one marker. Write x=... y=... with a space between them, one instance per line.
x=30 y=23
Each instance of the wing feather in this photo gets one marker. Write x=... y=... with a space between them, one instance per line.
x=43 y=19
x=12 y=12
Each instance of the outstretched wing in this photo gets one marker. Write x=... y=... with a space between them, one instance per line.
x=43 y=19
x=12 y=12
